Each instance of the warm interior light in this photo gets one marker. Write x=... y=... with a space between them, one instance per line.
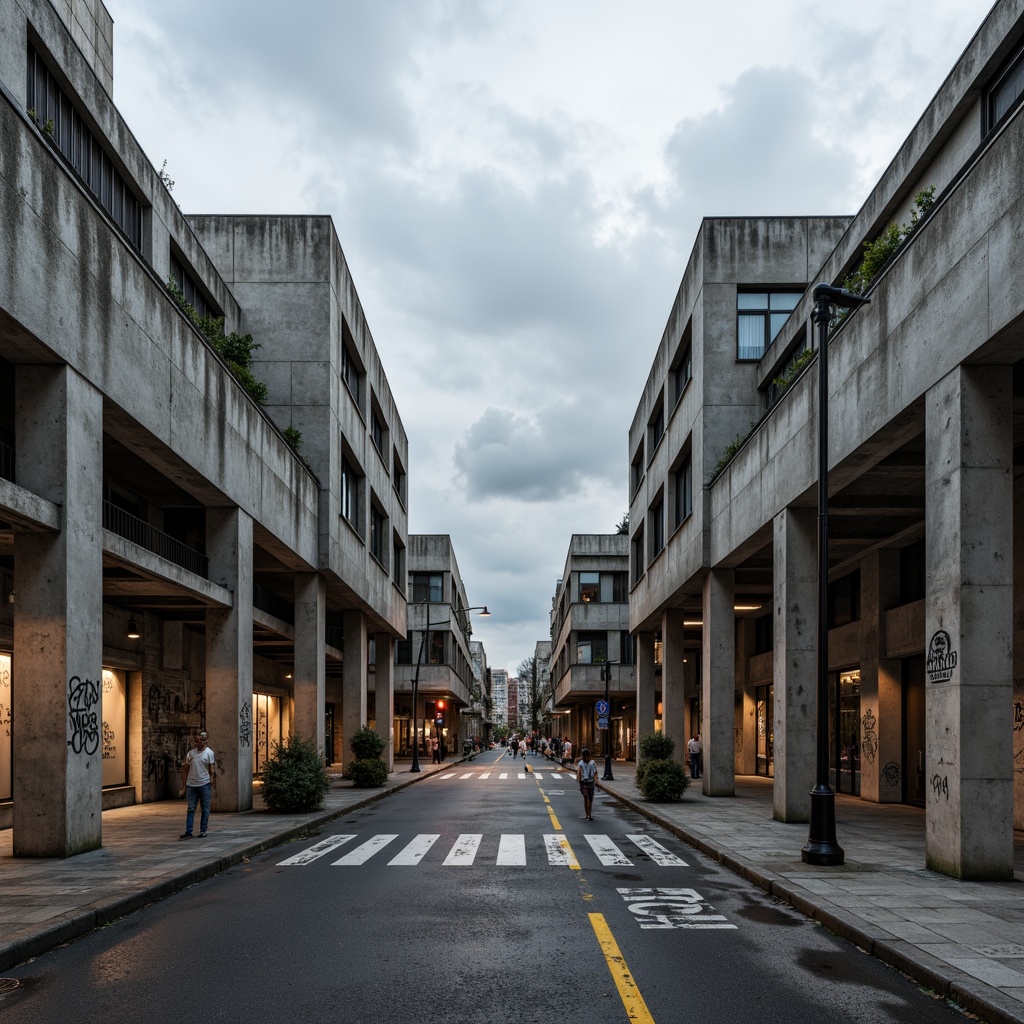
x=693 y=622
x=288 y=676
x=745 y=607
x=133 y=629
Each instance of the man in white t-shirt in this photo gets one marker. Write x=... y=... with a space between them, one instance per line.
x=586 y=776
x=567 y=750
x=196 y=782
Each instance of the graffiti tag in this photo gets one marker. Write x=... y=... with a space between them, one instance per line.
x=940 y=785
x=941 y=659
x=83 y=698
x=870 y=745
x=245 y=725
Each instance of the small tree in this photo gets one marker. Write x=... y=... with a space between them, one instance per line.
x=295 y=779
x=658 y=777
x=368 y=769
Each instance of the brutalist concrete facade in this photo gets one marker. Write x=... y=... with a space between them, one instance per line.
x=925 y=452
x=163 y=548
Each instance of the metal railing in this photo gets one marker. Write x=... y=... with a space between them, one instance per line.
x=124 y=524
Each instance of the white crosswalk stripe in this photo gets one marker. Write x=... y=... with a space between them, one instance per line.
x=485 y=775
x=315 y=852
x=657 y=852
x=468 y=775
x=512 y=851
x=450 y=775
x=361 y=854
x=414 y=852
x=607 y=852
x=559 y=851
x=464 y=850
x=503 y=775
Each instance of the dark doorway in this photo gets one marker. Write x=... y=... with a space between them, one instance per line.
x=913 y=730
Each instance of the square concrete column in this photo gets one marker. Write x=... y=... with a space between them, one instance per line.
x=353 y=679
x=673 y=704
x=646 y=708
x=58 y=618
x=384 y=693
x=229 y=658
x=795 y=661
x=881 y=684
x=309 y=671
x=968 y=623
x=718 y=701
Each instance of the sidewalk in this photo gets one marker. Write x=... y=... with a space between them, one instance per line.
x=964 y=940
x=46 y=902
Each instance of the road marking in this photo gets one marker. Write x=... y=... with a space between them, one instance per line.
x=672 y=908
x=468 y=775
x=414 y=852
x=503 y=775
x=314 y=852
x=560 y=852
x=522 y=775
x=538 y=776
x=463 y=853
x=450 y=775
x=607 y=852
x=512 y=851
x=361 y=854
x=632 y=1001
x=554 y=821
x=657 y=852
x=485 y=775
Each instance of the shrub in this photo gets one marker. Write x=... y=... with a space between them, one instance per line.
x=663 y=780
x=366 y=743
x=295 y=779
x=657 y=746
x=368 y=771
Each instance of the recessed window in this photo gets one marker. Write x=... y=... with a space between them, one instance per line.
x=351 y=369
x=190 y=289
x=683 y=481
x=760 y=316
x=637 y=561
x=398 y=560
x=400 y=478
x=379 y=433
x=378 y=531
x=636 y=470
x=591 y=648
x=351 y=482
x=656 y=428
x=1005 y=93
x=427 y=586
x=682 y=374
x=602 y=587
x=656 y=518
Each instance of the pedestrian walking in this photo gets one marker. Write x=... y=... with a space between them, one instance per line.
x=586 y=776
x=693 y=750
x=196 y=783
x=567 y=750
x=435 y=748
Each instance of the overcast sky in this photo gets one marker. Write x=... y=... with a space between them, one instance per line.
x=517 y=186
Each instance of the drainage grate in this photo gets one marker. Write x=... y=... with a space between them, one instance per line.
x=9 y=984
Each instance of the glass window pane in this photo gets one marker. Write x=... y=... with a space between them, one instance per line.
x=752 y=300
x=1008 y=92
x=785 y=300
x=778 y=319
x=607 y=587
x=751 y=337
x=589 y=582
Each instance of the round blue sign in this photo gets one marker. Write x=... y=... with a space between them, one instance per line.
x=601 y=707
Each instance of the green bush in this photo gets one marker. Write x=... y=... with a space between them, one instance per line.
x=657 y=746
x=366 y=743
x=663 y=780
x=295 y=779
x=368 y=771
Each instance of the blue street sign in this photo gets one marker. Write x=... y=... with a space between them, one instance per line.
x=602 y=709
x=602 y=723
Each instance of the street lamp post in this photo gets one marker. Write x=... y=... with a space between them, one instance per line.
x=415 y=697
x=606 y=673
x=822 y=846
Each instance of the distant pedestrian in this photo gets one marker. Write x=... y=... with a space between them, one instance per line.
x=586 y=776
x=196 y=783
x=522 y=748
x=695 y=752
x=435 y=749
x=567 y=749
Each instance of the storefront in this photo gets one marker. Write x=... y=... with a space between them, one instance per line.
x=845 y=731
x=764 y=703
x=266 y=710
x=114 y=739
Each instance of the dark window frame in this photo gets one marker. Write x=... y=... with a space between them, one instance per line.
x=1009 y=77
x=682 y=484
x=764 y=313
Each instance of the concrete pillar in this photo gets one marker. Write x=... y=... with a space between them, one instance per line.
x=229 y=658
x=795 y=662
x=646 y=708
x=968 y=623
x=309 y=670
x=384 y=693
x=718 y=703
x=56 y=685
x=1018 y=652
x=354 y=682
x=881 y=684
x=673 y=704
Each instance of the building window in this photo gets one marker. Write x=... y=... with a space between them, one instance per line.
x=435 y=648
x=378 y=530
x=427 y=586
x=627 y=648
x=656 y=428
x=844 y=600
x=351 y=371
x=636 y=470
x=56 y=114
x=684 y=490
x=656 y=517
x=378 y=433
x=400 y=478
x=350 y=481
x=398 y=560
x=760 y=316
x=638 y=563
x=190 y=289
x=591 y=648
x=1005 y=93
x=603 y=587
x=682 y=374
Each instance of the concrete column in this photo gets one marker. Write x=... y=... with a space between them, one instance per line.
x=646 y=708
x=229 y=658
x=968 y=623
x=384 y=693
x=881 y=685
x=56 y=685
x=673 y=704
x=1018 y=653
x=795 y=662
x=718 y=702
x=309 y=671
x=354 y=682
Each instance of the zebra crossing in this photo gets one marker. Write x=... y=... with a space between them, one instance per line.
x=466 y=851
x=492 y=774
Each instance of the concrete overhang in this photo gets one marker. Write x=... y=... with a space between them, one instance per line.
x=27 y=512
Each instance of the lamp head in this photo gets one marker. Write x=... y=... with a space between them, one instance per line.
x=484 y=613
x=840 y=297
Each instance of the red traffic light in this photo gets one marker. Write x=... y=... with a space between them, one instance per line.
x=440 y=705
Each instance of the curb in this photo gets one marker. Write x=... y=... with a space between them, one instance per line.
x=927 y=971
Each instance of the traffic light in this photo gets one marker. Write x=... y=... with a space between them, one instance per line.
x=439 y=714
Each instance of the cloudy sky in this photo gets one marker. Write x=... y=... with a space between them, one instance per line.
x=517 y=185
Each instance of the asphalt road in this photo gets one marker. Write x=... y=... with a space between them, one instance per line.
x=467 y=896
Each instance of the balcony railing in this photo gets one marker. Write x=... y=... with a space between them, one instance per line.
x=124 y=524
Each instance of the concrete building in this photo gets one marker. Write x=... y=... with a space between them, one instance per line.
x=542 y=663
x=499 y=696
x=435 y=655
x=480 y=703
x=589 y=638
x=926 y=449
x=168 y=560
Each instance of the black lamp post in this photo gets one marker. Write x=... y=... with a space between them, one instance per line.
x=822 y=846
x=606 y=674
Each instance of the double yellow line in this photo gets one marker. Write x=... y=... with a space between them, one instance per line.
x=629 y=993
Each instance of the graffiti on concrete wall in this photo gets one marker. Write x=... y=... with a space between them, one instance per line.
x=940 y=785
x=83 y=704
x=163 y=703
x=869 y=737
x=245 y=725
x=891 y=774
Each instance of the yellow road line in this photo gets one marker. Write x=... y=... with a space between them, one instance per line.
x=574 y=864
x=554 y=820
x=632 y=1001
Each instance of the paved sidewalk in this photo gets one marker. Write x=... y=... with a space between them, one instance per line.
x=964 y=940
x=46 y=902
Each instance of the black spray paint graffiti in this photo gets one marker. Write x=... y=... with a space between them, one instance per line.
x=160 y=703
x=1018 y=715
x=109 y=746
x=245 y=725
x=155 y=768
x=940 y=785
x=891 y=774
x=941 y=661
x=869 y=747
x=5 y=700
x=83 y=698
